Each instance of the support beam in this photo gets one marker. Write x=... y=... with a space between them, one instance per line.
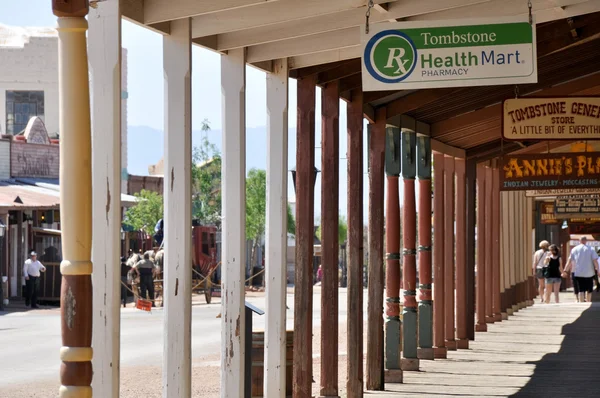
x=489 y=267
x=330 y=249
x=375 y=336
x=276 y=231
x=503 y=256
x=159 y=11
x=449 y=316
x=76 y=201
x=105 y=67
x=439 y=345
x=233 y=352
x=496 y=301
x=481 y=325
x=393 y=326
x=471 y=216
x=462 y=338
x=355 y=383
x=303 y=287
x=425 y=311
x=410 y=361
x=177 y=61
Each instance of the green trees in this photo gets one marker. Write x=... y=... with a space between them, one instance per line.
x=206 y=181
x=146 y=213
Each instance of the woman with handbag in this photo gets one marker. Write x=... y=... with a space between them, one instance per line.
x=552 y=273
x=538 y=267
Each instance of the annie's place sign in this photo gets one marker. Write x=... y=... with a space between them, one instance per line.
x=569 y=118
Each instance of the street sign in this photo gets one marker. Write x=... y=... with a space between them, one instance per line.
x=570 y=118
x=577 y=206
x=452 y=53
x=550 y=171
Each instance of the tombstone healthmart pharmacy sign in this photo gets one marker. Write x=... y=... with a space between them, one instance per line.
x=550 y=171
x=569 y=118
x=454 y=53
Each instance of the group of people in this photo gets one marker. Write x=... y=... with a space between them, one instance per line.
x=144 y=270
x=582 y=264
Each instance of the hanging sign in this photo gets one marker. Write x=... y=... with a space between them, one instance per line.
x=547 y=215
x=577 y=206
x=570 y=118
x=584 y=229
x=550 y=171
x=453 y=53
x=551 y=193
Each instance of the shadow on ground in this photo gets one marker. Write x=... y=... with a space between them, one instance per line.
x=573 y=370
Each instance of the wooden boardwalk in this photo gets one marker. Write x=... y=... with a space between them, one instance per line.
x=550 y=350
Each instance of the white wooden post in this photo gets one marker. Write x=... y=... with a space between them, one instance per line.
x=177 y=349
x=105 y=66
x=233 y=82
x=276 y=229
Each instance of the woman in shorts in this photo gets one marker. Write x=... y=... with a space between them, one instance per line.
x=552 y=273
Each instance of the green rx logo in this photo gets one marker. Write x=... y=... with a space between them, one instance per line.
x=390 y=56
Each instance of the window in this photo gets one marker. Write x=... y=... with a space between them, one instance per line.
x=22 y=106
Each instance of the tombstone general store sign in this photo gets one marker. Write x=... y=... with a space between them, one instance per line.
x=550 y=171
x=455 y=53
x=575 y=118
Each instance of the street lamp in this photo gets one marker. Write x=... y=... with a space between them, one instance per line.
x=316 y=171
x=2 y=228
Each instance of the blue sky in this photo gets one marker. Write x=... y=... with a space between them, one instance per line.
x=145 y=88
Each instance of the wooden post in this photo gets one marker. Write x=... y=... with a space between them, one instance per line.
x=410 y=361
x=76 y=200
x=355 y=242
x=105 y=64
x=375 y=345
x=515 y=252
x=481 y=325
x=496 y=302
x=330 y=177
x=303 y=285
x=511 y=250
x=425 y=312
x=462 y=339
x=449 y=320
x=177 y=61
x=393 y=373
x=489 y=227
x=528 y=250
x=276 y=230
x=471 y=217
x=504 y=280
x=439 y=345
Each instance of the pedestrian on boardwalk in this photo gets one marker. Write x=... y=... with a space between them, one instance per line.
x=552 y=273
x=538 y=267
x=31 y=272
x=583 y=261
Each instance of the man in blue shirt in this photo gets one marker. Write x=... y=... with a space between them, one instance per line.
x=584 y=263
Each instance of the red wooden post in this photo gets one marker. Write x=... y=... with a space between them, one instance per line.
x=496 y=300
x=355 y=243
x=439 y=345
x=375 y=336
x=461 y=258
x=449 y=319
x=329 y=239
x=481 y=325
x=303 y=289
x=489 y=232
x=471 y=216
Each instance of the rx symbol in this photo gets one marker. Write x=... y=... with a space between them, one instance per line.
x=395 y=55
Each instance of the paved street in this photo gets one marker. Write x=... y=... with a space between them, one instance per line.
x=31 y=340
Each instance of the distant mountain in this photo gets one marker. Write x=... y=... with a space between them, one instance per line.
x=145 y=146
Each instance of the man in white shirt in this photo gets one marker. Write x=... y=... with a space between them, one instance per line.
x=583 y=261
x=31 y=272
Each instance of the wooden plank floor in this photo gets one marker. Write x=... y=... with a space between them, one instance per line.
x=547 y=350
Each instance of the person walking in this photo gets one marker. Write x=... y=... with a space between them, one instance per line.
x=124 y=282
x=552 y=273
x=538 y=267
x=31 y=272
x=583 y=261
x=145 y=269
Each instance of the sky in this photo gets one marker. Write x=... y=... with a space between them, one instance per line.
x=145 y=89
